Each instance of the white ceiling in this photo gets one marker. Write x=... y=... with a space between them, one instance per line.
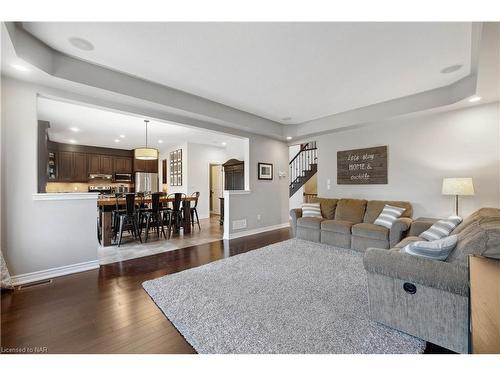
x=98 y=127
x=277 y=70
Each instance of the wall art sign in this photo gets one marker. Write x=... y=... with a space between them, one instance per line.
x=362 y=166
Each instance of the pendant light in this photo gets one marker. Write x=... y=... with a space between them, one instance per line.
x=146 y=153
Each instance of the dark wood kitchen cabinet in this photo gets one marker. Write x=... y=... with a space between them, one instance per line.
x=100 y=164
x=123 y=165
x=72 y=166
x=65 y=166
x=148 y=166
x=234 y=175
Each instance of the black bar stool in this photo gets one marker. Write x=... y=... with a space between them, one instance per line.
x=175 y=215
x=154 y=216
x=128 y=219
x=193 y=210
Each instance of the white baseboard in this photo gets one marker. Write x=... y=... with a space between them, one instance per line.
x=54 y=272
x=256 y=231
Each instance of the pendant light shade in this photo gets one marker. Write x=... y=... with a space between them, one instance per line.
x=146 y=153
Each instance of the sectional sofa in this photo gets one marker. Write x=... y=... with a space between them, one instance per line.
x=348 y=223
x=422 y=297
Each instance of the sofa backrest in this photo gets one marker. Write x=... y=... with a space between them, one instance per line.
x=482 y=215
x=328 y=206
x=352 y=210
x=478 y=238
x=374 y=208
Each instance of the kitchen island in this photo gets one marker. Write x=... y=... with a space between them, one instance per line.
x=107 y=204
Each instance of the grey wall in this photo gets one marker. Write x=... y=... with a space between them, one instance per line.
x=422 y=150
x=266 y=198
x=36 y=235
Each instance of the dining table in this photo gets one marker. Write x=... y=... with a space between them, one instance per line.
x=107 y=205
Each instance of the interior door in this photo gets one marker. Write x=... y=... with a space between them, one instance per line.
x=216 y=187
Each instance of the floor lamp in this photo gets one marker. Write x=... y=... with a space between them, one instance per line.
x=456 y=187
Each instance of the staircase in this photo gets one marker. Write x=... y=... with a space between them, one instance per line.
x=303 y=166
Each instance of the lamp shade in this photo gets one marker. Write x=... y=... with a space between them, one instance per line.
x=146 y=153
x=458 y=186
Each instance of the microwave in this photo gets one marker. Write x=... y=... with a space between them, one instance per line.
x=123 y=177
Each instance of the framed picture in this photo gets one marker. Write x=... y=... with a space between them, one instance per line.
x=176 y=168
x=265 y=171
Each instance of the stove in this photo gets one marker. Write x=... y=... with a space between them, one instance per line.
x=105 y=189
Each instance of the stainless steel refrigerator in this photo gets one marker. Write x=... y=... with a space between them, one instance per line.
x=146 y=182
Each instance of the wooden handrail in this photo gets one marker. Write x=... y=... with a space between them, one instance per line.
x=303 y=148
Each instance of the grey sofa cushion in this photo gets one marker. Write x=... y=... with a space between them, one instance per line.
x=328 y=206
x=367 y=230
x=478 y=239
x=337 y=226
x=374 y=208
x=352 y=210
x=483 y=215
x=407 y=241
x=310 y=222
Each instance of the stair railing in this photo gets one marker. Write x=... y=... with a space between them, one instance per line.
x=302 y=161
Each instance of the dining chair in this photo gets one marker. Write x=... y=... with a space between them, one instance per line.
x=128 y=219
x=193 y=210
x=154 y=216
x=116 y=212
x=176 y=213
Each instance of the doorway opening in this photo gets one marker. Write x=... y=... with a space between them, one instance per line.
x=216 y=189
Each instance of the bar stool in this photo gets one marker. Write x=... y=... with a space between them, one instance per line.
x=154 y=216
x=193 y=210
x=128 y=219
x=175 y=214
x=115 y=213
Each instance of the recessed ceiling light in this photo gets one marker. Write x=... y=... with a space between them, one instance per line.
x=288 y=138
x=451 y=68
x=160 y=140
x=81 y=43
x=20 y=67
x=117 y=141
x=73 y=129
x=474 y=99
x=286 y=118
x=122 y=135
x=224 y=143
x=72 y=141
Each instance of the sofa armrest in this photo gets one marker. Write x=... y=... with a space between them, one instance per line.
x=295 y=213
x=398 y=230
x=419 y=270
x=420 y=225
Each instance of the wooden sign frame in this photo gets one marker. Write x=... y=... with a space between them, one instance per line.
x=363 y=166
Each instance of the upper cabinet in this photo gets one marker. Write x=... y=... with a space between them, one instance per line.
x=100 y=164
x=123 y=165
x=148 y=166
x=72 y=166
x=74 y=163
x=234 y=175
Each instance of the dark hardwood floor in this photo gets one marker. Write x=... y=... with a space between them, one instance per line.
x=106 y=310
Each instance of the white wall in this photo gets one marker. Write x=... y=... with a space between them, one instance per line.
x=200 y=156
x=422 y=150
x=36 y=235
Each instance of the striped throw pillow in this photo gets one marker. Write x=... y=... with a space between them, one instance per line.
x=437 y=249
x=389 y=215
x=311 y=210
x=442 y=228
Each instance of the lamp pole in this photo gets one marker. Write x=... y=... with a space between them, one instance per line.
x=456 y=204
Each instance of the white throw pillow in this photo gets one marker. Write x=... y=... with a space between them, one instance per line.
x=389 y=215
x=311 y=210
x=437 y=250
x=441 y=229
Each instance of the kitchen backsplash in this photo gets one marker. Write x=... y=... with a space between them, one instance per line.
x=74 y=187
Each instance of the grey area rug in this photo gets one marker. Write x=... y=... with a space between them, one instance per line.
x=291 y=297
